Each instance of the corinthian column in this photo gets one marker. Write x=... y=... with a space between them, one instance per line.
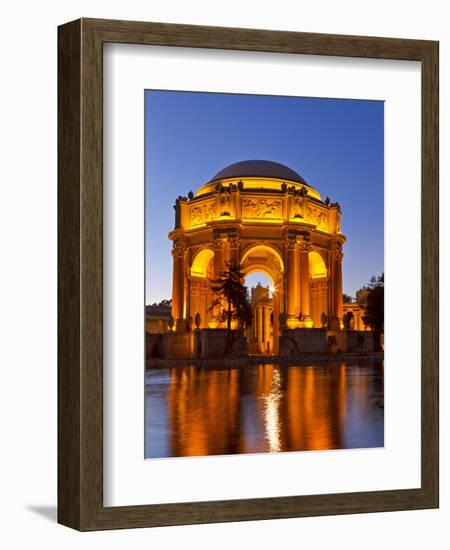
x=218 y=257
x=291 y=284
x=259 y=333
x=178 y=253
x=305 y=308
x=218 y=268
x=337 y=256
x=234 y=251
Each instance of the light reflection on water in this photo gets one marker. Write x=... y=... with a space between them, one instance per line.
x=192 y=411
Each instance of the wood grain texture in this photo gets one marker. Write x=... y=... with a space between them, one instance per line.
x=69 y=243
x=430 y=272
x=80 y=264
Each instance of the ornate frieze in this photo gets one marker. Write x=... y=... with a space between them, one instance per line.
x=261 y=209
x=317 y=217
x=203 y=213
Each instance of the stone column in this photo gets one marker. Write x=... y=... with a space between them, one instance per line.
x=218 y=257
x=187 y=289
x=260 y=328
x=291 y=283
x=337 y=256
x=193 y=308
x=276 y=320
x=204 y=313
x=218 y=269
x=234 y=251
x=178 y=253
x=305 y=306
x=267 y=313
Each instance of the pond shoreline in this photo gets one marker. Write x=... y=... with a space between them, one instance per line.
x=236 y=362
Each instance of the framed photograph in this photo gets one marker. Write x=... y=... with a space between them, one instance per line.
x=248 y=274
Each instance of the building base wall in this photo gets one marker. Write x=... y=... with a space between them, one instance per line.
x=351 y=341
x=212 y=342
x=302 y=340
x=199 y=343
x=292 y=342
x=172 y=345
x=360 y=341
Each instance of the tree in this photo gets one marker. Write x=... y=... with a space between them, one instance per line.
x=163 y=303
x=376 y=281
x=347 y=299
x=229 y=288
x=374 y=316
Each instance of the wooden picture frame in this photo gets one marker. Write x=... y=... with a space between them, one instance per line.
x=80 y=271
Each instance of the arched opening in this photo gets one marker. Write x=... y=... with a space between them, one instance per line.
x=201 y=263
x=198 y=288
x=318 y=287
x=263 y=255
x=262 y=336
x=264 y=262
x=317 y=266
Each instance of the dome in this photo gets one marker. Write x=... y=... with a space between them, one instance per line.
x=259 y=169
x=257 y=175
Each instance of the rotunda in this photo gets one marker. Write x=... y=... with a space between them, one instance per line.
x=262 y=216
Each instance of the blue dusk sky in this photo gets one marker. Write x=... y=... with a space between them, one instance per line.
x=336 y=145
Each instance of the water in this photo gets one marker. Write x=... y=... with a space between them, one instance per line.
x=192 y=411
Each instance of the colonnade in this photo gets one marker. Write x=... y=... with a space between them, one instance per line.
x=292 y=282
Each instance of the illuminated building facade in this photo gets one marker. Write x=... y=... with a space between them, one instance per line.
x=263 y=217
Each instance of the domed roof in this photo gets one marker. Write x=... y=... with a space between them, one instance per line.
x=257 y=175
x=259 y=169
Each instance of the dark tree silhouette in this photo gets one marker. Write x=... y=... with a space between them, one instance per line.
x=163 y=303
x=229 y=288
x=374 y=316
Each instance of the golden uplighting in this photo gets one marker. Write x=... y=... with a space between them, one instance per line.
x=262 y=251
x=271 y=414
x=201 y=261
x=317 y=267
x=308 y=323
x=259 y=184
x=293 y=322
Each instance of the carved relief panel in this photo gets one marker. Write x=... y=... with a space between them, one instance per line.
x=317 y=217
x=203 y=213
x=262 y=209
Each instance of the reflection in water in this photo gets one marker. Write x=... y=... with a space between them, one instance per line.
x=191 y=411
x=272 y=419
